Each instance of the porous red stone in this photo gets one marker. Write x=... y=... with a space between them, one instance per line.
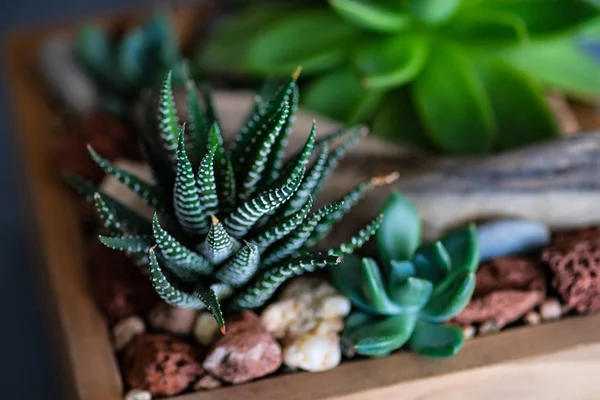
x=506 y=289
x=246 y=352
x=161 y=364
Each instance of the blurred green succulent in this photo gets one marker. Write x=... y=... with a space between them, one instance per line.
x=454 y=76
x=140 y=58
x=417 y=287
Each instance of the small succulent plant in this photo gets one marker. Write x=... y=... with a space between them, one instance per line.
x=230 y=224
x=417 y=287
x=123 y=66
x=451 y=76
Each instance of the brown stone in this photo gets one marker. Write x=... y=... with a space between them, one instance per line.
x=120 y=288
x=246 y=352
x=161 y=364
x=176 y=320
x=110 y=137
x=507 y=288
x=575 y=264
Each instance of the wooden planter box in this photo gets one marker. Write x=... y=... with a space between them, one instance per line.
x=571 y=346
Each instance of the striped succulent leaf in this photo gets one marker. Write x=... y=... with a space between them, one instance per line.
x=267 y=233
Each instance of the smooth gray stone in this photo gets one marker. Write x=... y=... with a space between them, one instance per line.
x=65 y=77
x=510 y=237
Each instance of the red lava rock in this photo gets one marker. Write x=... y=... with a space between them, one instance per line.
x=119 y=287
x=246 y=352
x=574 y=260
x=507 y=288
x=105 y=133
x=161 y=364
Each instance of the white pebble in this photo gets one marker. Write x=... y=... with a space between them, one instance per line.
x=487 y=328
x=205 y=329
x=207 y=382
x=277 y=317
x=469 y=332
x=334 y=306
x=550 y=309
x=175 y=320
x=532 y=318
x=137 y=394
x=126 y=329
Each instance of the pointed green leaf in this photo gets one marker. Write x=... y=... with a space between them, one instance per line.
x=316 y=39
x=281 y=227
x=436 y=340
x=211 y=301
x=107 y=215
x=522 y=113
x=130 y=244
x=358 y=240
x=381 y=335
x=400 y=233
x=241 y=267
x=488 y=27
x=167 y=118
x=452 y=104
x=393 y=61
x=228 y=189
x=207 y=186
x=372 y=14
x=257 y=293
x=218 y=245
x=183 y=262
x=197 y=122
x=289 y=245
x=188 y=209
x=449 y=302
x=169 y=293
x=148 y=193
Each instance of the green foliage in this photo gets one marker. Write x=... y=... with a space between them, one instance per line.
x=416 y=288
x=122 y=67
x=451 y=76
x=231 y=223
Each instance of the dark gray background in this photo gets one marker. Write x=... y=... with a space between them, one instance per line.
x=27 y=368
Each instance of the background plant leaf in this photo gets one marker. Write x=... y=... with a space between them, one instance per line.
x=433 y=11
x=315 y=39
x=485 y=28
x=522 y=113
x=392 y=62
x=452 y=104
x=340 y=95
x=372 y=14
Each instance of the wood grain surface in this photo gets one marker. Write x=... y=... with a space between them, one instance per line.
x=91 y=366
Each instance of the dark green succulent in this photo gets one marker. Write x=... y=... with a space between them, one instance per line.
x=123 y=66
x=230 y=224
x=454 y=76
x=407 y=297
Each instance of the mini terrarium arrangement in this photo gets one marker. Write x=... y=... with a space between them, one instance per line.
x=218 y=256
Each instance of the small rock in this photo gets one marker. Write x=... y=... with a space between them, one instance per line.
x=510 y=237
x=175 y=320
x=120 y=288
x=307 y=319
x=469 y=332
x=488 y=327
x=137 y=394
x=65 y=77
x=574 y=260
x=313 y=352
x=506 y=289
x=206 y=329
x=161 y=364
x=550 y=309
x=246 y=352
x=126 y=329
x=532 y=318
x=207 y=382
